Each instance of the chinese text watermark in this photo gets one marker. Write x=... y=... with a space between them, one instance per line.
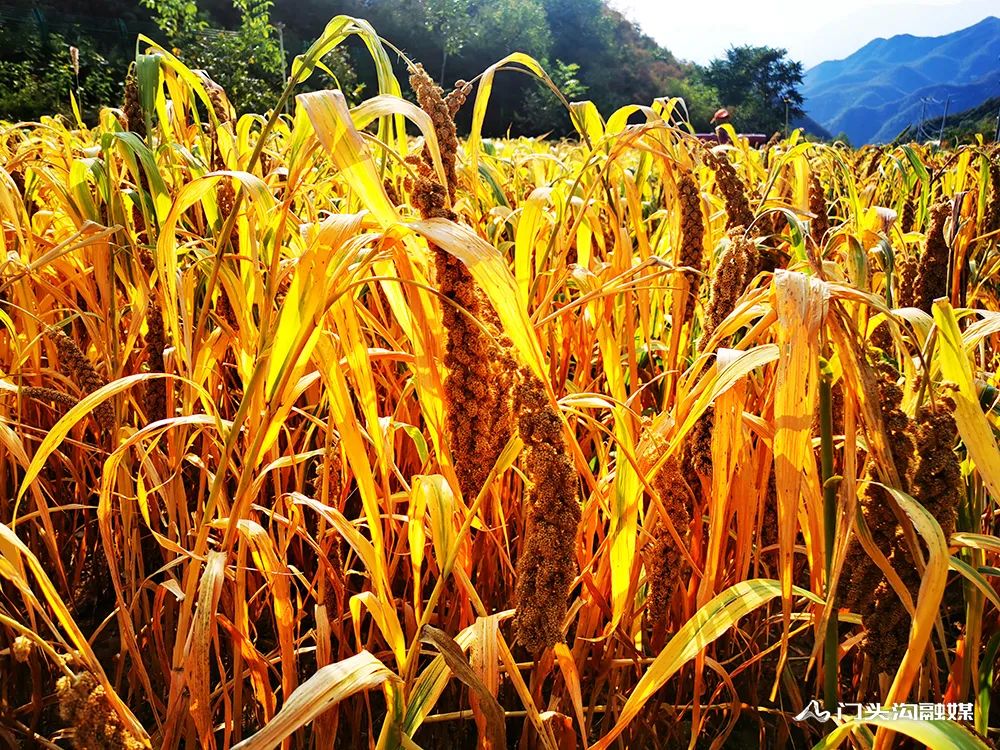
x=874 y=712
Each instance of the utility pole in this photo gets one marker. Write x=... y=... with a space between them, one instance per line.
x=922 y=131
x=787 y=102
x=943 y=118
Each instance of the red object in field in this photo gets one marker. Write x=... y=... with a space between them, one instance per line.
x=720 y=118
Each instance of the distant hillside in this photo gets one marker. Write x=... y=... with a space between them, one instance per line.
x=964 y=126
x=877 y=91
x=592 y=50
x=810 y=127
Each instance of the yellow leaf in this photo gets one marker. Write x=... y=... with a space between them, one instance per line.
x=972 y=424
x=196 y=662
x=932 y=734
x=327 y=687
x=490 y=271
x=61 y=429
x=386 y=620
x=801 y=304
x=932 y=585
x=332 y=122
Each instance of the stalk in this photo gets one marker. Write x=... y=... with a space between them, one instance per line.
x=829 y=529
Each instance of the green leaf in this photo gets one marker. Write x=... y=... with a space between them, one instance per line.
x=934 y=734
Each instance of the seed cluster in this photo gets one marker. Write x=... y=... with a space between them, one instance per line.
x=135 y=122
x=480 y=411
x=909 y=214
x=932 y=277
x=664 y=561
x=442 y=112
x=692 y=238
x=906 y=281
x=49 y=395
x=883 y=615
x=863 y=574
x=220 y=102
x=155 y=395
x=698 y=445
x=733 y=190
x=225 y=193
x=74 y=364
x=84 y=706
x=477 y=386
x=547 y=565
x=327 y=484
x=820 y=224
x=991 y=220
x=22 y=648
x=738 y=265
x=937 y=483
x=391 y=192
x=874 y=160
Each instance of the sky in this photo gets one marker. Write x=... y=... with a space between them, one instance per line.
x=811 y=30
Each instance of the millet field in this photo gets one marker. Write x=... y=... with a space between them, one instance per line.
x=325 y=428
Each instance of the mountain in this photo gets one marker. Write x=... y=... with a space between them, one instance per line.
x=877 y=92
x=810 y=127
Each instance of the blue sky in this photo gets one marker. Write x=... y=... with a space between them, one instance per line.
x=811 y=31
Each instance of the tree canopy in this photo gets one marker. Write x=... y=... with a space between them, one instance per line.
x=591 y=50
x=755 y=84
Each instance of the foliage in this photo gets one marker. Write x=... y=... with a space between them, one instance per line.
x=619 y=64
x=457 y=38
x=543 y=112
x=452 y=23
x=508 y=25
x=177 y=19
x=756 y=84
x=247 y=63
x=38 y=74
x=701 y=101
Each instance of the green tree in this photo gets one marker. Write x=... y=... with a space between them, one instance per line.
x=177 y=19
x=542 y=112
x=453 y=23
x=700 y=101
x=507 y=26
x=247 y=63
x=38 y=73
x=755 y=84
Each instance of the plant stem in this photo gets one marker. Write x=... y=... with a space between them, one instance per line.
x=829 y=529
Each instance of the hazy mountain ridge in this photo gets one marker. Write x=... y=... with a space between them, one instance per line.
x=876 y=92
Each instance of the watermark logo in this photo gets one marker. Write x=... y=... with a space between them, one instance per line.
x=897 y=711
